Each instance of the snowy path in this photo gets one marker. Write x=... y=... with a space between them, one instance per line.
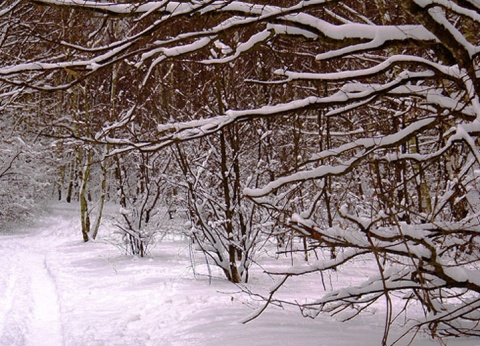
x=45 y=329
x=29 y=308
x=56 y=290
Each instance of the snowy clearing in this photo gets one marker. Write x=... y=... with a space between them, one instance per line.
x=57 y=290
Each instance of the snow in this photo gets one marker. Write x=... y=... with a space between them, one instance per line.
x=147 y=7
x=46 y=329
x=57 y=290
x=243 y=47
x=377 y=69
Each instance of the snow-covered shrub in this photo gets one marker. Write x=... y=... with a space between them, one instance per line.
x=25 y=185
x=142 y=191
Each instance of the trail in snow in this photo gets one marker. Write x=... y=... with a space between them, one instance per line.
x=56 y=290
x=29 y=308
x=45 y=328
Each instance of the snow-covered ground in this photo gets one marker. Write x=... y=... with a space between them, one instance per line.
x=57 y=290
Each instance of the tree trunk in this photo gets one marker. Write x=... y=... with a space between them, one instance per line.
x=102 y=196
x=84 y=214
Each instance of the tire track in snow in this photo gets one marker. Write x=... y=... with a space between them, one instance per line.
x=14 y=293
x=14 y=302
x=29 y=305
x=6 y=305
x=45 y=325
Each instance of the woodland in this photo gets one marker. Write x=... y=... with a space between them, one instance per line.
x=348 y=128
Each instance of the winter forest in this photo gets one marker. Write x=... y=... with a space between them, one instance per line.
x=283 y=139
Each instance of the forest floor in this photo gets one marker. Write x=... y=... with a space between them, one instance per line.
x=57 y=290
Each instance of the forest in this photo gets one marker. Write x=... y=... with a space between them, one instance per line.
x=336 y=129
